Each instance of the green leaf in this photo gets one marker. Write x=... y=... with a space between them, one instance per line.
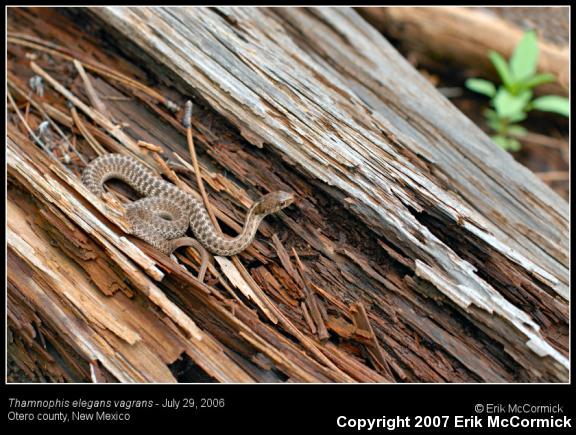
x=502 y=141
x=532 y=82
x=517 y=130
x=493 y=121
x=483 y=87
x=552 y=103
x=496 y=126
x=525 y=57
x=501 y=67
x=490 y=114
x=513 y=145
x=510 y=106
x=521 y=116
x=506 y=143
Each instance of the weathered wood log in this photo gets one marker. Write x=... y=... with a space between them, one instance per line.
x=424 y=252
x=463 y=36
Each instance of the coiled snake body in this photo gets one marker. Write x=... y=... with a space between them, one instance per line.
x=162 y=217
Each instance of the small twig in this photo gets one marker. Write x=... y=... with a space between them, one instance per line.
x=51 y=113
x=95 y=115
x=285 y=260
x=92 y=94
x=344 y=311
x=103 y=70
x=166 y=169
x=150 y=146
x=27 y=111
x=307 y=317
x=311 y=300
x=268 y=309
x=98 y=149
x=362 y=323
x=178 y=167
x=45 y=114
x=116 y=98
x=183 y=164
x=187 y=121
x=28 y=128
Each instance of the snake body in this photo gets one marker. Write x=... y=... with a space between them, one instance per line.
x=165 y=212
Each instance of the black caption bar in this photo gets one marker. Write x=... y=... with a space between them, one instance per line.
x=325 y=408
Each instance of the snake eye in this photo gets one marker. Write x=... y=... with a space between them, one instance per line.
x=165 y=216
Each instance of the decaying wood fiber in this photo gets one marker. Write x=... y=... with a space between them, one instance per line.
x=416 y=250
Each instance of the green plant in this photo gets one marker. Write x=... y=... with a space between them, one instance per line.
x=513 y=99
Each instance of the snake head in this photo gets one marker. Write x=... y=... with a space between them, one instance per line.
x=272 y=202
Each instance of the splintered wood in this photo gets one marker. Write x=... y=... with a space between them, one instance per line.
x=415 y=251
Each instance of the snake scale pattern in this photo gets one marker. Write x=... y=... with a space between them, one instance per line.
x=165 y=212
